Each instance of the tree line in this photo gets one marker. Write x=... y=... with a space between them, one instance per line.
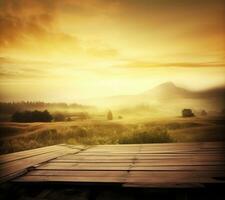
x=32 y=116
x=12 y=107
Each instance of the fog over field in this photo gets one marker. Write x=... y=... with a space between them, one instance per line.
x=154 y=116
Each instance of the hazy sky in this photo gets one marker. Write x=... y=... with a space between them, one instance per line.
x=56 y=50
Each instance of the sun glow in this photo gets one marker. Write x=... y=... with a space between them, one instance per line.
x=69 y=50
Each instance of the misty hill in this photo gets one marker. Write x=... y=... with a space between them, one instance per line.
x=168 y=96
x=169 y=89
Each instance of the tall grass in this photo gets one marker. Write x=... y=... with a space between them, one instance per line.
x=88 y=135
x=154 y=135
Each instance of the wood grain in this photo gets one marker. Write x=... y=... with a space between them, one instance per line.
x=169 y=165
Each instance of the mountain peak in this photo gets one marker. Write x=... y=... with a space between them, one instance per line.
x=167 y=89
x=166 y=85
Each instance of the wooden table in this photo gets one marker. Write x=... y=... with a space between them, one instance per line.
x=168 y=165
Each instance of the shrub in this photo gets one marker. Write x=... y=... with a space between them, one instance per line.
x=187 y=113
x=59 y=117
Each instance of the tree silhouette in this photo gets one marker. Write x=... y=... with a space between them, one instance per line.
x=110 y=115
x=32 y=116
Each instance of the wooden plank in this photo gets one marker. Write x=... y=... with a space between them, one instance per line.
x=146 y=162
x=76 y=173
x=11 y=169
x=64 y=165
x=28 y=153
x=169 y=162
x=148 y=155
x=196 y=158
x=193 y=156
x=97 y=157
x=142 y=165
x=156 y=153
x=74 y=176
x=168 y=179
x=178 y=168
x=73 y=179
x=37 y=158
x=85 y=166
x=186 y=174
x=92 y=161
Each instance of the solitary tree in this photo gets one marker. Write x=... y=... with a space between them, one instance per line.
x=110 y=115
x=59 y=117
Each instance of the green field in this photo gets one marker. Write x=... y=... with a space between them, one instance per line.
x=21 y=136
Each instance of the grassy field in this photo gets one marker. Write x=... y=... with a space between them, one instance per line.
x=21 y=136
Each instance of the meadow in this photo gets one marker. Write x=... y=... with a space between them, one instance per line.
x=22 y=136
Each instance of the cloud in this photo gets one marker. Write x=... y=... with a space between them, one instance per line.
x=4 y=60
x=22 y=74
x=9 y=60
x=29 y=27
x=20 y=20
x=144 y=64
x=60 y=29
x=15 y=69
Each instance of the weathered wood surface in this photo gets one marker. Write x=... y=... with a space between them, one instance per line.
x=14 y=164
x=168 y=165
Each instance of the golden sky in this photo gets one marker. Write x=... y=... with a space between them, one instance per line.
x=54 y=50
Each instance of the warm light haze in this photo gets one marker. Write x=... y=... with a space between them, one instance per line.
x=87 y=87
x=77 y=49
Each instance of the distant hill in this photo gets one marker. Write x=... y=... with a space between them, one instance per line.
x=168 y=96
x=168 y=90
